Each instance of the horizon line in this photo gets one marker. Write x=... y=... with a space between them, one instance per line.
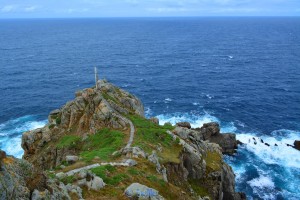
x=204 y=16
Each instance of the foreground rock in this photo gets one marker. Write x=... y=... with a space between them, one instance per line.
x=91 y=110
x=20 y=180
x=139 y=191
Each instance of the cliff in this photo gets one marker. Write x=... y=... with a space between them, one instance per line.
x=100 y=146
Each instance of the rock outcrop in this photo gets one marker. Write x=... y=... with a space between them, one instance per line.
x=201 y=164
x=91 y=110
x=297 y=144
x=19 y=180
x=211 y=132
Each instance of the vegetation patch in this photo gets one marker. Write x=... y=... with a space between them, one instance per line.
x=213 y=162
x=68 y=141
x=107 y=174
x=150 y=135
x=201 y=191
x=102 y=145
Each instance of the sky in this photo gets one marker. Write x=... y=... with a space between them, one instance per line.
x=146 y=8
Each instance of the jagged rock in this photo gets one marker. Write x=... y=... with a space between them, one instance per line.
x=154 y=159
x=155 y=120
x=72 y=159
x=139 y=191
x=134 y=152
x=210 y=129
x=82 y=173
x=185 y=133
x=218 y=181
x=297 y=144
x=227 y=142
x=96 y=183
x=18 y=179
x=184 y=124
x=74 y=189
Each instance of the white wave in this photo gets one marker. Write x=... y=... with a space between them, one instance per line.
x=263 y=186
x=196 y=121
x=16 y=127
x=13 y=147
x=167 y=100
x=196 y=104
x=280 y=154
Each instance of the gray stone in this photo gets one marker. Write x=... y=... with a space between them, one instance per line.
x=142 y=192
x=131 y=162
x=96 y=183
x=60 y=175
x=72 y=159
x=184 y=124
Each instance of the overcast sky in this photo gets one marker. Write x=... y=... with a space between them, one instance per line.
x=146 y=8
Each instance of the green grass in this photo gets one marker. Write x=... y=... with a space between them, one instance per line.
x=102 y=144
x=201 y=191
x=133 y=171
x=51 y=126
x=213 y=162
x=68 y=141
x=68 y=179
x=58 y=120
x=103 y=172
x=108 y=97
x=150 y=133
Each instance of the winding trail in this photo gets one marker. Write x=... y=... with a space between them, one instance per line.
x=128 y=145
x=132 y=129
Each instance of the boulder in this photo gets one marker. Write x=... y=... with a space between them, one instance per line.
x=297 y=144
x=227 y=142
x=72 y=159
x=139 y=191
x=184 y=124
x=210 y=129
x=96 y=183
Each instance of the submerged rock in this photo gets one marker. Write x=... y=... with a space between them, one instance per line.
x=297 y=144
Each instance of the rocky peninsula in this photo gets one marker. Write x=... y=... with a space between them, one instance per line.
x=100 y=146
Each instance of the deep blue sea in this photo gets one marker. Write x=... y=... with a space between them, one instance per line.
x=241 y=72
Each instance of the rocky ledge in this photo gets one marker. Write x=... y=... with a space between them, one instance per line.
x=100 y=146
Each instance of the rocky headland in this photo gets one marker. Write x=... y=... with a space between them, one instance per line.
x=100 y=146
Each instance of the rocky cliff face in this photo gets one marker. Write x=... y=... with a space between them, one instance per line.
x=19 y=180
x=201 y=164
x=91 y=110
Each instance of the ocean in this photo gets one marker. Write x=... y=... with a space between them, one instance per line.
x=241 y=72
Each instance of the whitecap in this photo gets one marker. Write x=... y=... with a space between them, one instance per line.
x=15 y=128
x=281 y=154
x=263 y=186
